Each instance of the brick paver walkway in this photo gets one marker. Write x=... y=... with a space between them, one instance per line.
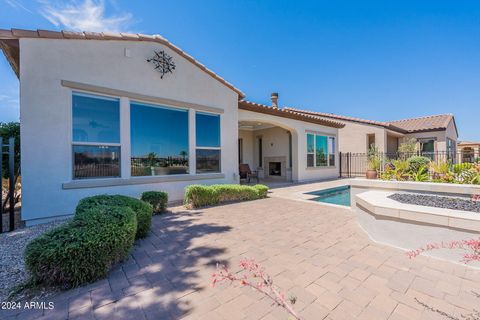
x=317 y=253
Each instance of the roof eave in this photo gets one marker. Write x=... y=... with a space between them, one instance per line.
x=254 y=107
x=16 y=34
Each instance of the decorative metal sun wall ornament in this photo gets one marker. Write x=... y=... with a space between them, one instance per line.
x=163 y=63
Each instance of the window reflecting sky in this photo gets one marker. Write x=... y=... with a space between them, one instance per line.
x=95 y=119
x=207 y=130
x=163 y=131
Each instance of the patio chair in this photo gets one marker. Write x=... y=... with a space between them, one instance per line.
x=246 y=173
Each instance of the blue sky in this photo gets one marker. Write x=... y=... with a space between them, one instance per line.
x=381 y=60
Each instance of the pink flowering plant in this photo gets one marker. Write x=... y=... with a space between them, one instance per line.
x=254 y=276
x=471 y=246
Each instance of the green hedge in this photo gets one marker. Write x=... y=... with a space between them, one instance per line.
x=197 y=196
x=157 y=199
x=142 y=209
x=84 y=249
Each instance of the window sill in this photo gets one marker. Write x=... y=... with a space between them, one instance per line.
x=113 y=182
x=321 y=168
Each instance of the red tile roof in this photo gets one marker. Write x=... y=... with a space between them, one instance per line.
x=348 y=118
x=11 y=52
x=428 y=123
x=421 y=124
x=286 y=113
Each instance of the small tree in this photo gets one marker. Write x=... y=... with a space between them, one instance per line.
x=409 y=146
x=8 y=130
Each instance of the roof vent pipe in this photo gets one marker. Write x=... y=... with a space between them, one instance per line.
x=274 y=98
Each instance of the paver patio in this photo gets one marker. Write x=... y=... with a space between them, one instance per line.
x=317 y=253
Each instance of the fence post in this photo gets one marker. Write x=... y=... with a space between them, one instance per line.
x=1 y=184
x=339 y=164
x=11 y=169
x=349 y=164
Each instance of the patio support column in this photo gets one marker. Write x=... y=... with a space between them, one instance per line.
x=192 y=158
x=125 y=149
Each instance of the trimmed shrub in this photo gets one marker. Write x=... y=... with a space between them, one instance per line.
x=157 y=199
x=198 y=196
x=142 y=209
x=84 y=249
x=262 y=190
x=416 y=162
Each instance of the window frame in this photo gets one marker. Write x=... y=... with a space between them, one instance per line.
x=314 y=153
x=74 y=143
x=219 y=148
x=149 y=104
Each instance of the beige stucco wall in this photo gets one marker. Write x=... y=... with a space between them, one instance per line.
x=45 y=113
x=299 y=130
x=248 y=139
x=392 y=144
x=354 y=137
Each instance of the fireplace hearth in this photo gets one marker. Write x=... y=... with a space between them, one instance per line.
x=275 y=169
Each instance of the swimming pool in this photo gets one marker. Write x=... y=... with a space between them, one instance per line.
x=339 y=196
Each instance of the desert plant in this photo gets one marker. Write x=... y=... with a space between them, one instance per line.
x=401 y=171
x=252 y=275
x=459 y=167
x=142 y=209
x=374 y=159
x=84 y=249
x=157 y=199
x=421 y=174
x=439 y=169
x=197 y=196
x=415 y=162
x=467 y=176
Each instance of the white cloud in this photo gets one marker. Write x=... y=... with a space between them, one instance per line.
x=84 y=15
x=17 y=4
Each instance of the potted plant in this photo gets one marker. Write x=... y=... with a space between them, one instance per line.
x=373 y=163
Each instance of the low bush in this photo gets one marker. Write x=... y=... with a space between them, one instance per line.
x=84 y=249
x=197 y=196
x=416 y=162
x=157 y=199
x=142 y=209
x=262 y=190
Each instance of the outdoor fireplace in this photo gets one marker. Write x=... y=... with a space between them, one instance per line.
x=275 y=169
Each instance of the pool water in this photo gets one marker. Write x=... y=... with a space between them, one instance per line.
x=339 y=196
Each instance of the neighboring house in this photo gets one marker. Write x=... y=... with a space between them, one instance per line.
x=469 y=151
x=97 y=117
x=436 y=133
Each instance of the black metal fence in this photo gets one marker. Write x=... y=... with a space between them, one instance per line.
x=7 y=155
x=356 y=164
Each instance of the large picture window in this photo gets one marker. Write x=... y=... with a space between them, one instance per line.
x=208 y=153
x=320 y=150
x=96 y=136
x=159 y=140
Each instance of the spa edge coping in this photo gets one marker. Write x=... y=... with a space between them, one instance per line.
x=378 y=203
x=464 y=189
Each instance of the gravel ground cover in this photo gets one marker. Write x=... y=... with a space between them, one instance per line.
x=454 y=203
x=12 y=246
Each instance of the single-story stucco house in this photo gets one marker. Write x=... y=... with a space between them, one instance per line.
x=434 y=134
x=116 y=113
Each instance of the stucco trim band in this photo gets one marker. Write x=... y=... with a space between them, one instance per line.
x=98 y=183
x=137 y=96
